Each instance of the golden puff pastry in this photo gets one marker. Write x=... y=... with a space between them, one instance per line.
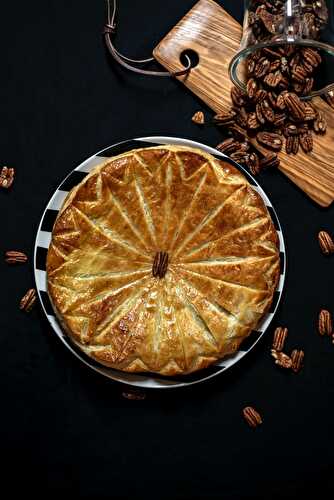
x=223 y=261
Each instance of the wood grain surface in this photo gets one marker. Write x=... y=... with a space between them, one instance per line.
x=215 y=36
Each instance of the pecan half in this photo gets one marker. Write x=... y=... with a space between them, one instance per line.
x=6 y=177
x=134 y=395
x=252 y=417
x=329 y=97
x=14 y=257
x=320 y=124
x=225 y=118
x=326 y=243
x=325 y=323
x=160 y=264
x=273 y=79
x=267 y=112
x=198 y=118
x=259 y=115
x=310 y=112
x=253 y=163
x=262 y=68
x=280 y=335
x=252 y=88
x=228 y=146
x=306 y=142
x=280 y=103
x=295 y=106
x=238 y=97
x=311 y=56
x=270 y=140
x=281 y=359
x=292 y=145
x=252 y=121
x=239 y=156
x=297 y=357
x=270 y=161
x=28 y=300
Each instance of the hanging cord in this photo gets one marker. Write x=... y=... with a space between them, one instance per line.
x=110 y=29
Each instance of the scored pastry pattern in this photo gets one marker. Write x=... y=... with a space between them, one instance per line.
x=223 y=261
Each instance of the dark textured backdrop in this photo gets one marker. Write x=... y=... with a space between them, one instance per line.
x=65 y=428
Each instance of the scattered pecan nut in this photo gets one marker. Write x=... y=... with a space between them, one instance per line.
x=134 y=395
x=6 y=177
x=281 y=359
x=270 y=140
x=297 y=357
x=198 y=118
x=280 y=335
x=325 y=323
x=252 y=417
x=28 y=301
x=14 y=257
x=326 y=243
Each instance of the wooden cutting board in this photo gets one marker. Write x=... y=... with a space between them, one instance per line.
x=215 y=36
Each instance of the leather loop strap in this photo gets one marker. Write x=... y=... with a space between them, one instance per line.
x=109 y=30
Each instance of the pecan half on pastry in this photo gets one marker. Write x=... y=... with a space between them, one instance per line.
x=160 y=264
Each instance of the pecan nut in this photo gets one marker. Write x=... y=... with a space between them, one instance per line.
x=292 y=144
x=270 y=161
x=295 y=106
x=198 y=118
x=225 y=118
x=326 y=243
x=252 y=417
x=270 y=140
x=297 y=357
x=325 y=323
x=280 y=335
x=160 y=264
x=28 y=300
x=281 y=359
x=14 y=257
x=7 y=177
x=306 y=142
x=253 y=163
x=134 y=395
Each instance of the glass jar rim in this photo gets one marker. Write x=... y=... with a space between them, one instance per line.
x=242 y=54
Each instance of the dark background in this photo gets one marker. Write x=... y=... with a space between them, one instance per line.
x=66 y=429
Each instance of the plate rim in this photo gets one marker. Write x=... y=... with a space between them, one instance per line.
x=239 y=355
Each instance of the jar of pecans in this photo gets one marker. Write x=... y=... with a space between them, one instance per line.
x=287 y=45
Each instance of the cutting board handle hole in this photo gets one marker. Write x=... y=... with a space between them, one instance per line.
x=193 y=56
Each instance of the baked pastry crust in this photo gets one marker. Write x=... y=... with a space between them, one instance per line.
x=223 y=261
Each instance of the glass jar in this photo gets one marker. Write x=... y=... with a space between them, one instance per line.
x=285 y=28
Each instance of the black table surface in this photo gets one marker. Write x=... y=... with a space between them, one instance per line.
x=65 y=428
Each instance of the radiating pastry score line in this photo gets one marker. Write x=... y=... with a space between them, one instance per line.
x=116 y=290
x=124 y=214
x=205 y=221
x=244 y=227
x=168 y=183
x=111 y=274
x=177 y=327
x=119 y=312
x=146 y=209
x=225 y=282
x=102 y=231
x=186 y=212
x=225 y=261
x=214 y=305
x=144 y=164
x=198 y=318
